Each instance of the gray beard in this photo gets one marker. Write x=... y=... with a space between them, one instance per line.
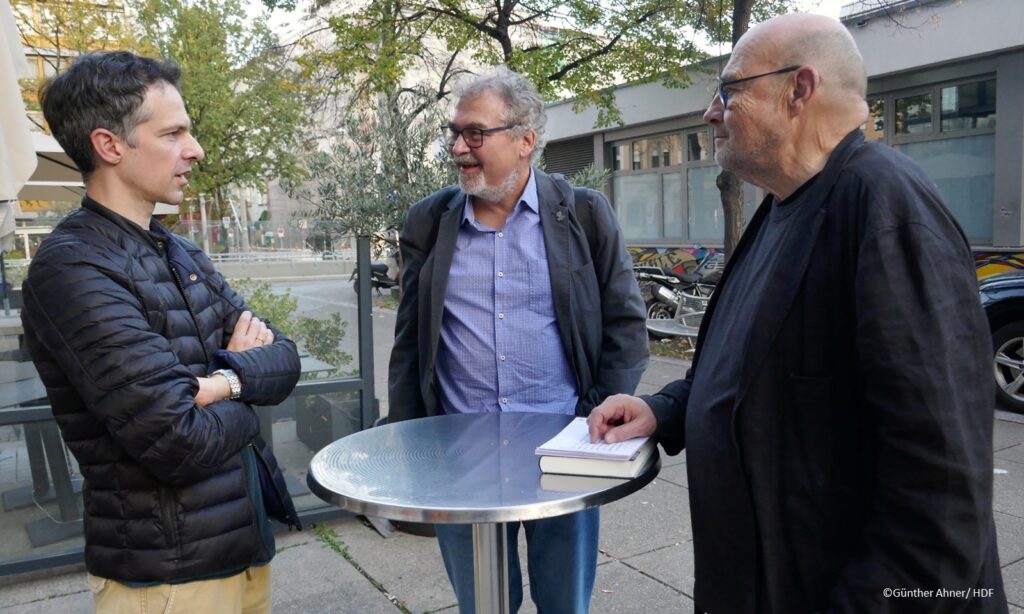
x=491 y=194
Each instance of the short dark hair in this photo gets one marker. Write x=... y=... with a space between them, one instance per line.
x=100 y=90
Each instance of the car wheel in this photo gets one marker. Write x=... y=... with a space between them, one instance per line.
x=1008 y=342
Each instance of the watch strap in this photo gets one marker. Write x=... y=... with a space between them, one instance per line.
x=233 y=382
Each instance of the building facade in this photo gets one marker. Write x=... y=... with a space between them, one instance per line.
x=945 y=87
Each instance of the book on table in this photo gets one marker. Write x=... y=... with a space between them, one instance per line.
x=571 y=452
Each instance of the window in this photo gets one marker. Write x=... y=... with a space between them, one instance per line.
x=619 y=156
x=636 y=200
x=953 y=141
x=672 y=210
x=698 y=146
x=914 y=114
x=650 y=197
x=706 y=221
x=964 y=170
x=874 y=128
x=969 y=106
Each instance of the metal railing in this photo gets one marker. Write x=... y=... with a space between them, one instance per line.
x=299 y=255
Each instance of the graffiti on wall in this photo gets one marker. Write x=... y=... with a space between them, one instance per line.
x=678 y=259
x=685 y=259
x=991 y=263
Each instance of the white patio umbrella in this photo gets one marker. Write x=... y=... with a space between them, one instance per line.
x=17 y=156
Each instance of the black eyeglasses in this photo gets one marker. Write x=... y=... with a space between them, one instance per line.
x=474 y=137
x=723 y=95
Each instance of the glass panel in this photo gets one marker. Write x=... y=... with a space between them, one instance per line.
x=676 y=149
x=41 y=487
x=971 y=105
x=620 y=157
x=706 y=218
x=639 y=154
x=300 y=426
x=672 y=204
x=964 y=170
x=40 y=482
x=698 y=146
x=657 y=149
x=636 y=202
x=874 y=128
x=319 y=316
x=914 y=114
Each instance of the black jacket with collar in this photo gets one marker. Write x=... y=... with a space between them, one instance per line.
x=598 y=307
x=860 y=455
x=119 y=337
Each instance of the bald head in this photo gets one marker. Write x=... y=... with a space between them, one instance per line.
x=795 y=87
x=815 y=40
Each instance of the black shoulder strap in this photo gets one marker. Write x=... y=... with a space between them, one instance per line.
x=585 y=214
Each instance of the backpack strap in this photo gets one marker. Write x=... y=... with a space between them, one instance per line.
x=585 y=215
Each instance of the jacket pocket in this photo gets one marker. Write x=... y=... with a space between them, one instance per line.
x=167 y=514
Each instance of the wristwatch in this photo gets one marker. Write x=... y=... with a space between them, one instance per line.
x=233 y=382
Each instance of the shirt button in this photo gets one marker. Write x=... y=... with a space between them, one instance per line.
x=502 y=357
x=501 y=235
x=193 y=277
x=501 y=316
x=504 y=400
x=500 y=274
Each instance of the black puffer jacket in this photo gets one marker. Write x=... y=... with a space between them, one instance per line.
x=119 y=336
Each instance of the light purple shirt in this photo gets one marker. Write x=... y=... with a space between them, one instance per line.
x=500 y=349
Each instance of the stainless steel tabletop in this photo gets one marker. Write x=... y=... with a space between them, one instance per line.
x=465 y=468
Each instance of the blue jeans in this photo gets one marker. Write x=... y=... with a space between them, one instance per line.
x=561 y=555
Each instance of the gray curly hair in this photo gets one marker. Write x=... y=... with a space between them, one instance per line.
x=524 y=106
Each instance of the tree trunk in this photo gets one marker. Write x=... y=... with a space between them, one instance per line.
x=730 y=186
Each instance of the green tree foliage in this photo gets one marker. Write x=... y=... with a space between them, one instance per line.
x=57 y=31
x=246 y=109
x=320 y=338
x=381 y=162
x=568 y=48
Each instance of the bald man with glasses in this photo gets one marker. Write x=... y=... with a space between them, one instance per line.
x=837 y=416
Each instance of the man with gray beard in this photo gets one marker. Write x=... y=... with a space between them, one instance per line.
x=517 y=295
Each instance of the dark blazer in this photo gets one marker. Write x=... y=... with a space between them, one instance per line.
x=598 y=307
x=862 y=427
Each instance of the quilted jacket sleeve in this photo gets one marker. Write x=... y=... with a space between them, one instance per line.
x=125 y=372
x=268 y=373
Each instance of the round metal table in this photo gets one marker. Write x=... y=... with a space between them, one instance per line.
x=477 y=469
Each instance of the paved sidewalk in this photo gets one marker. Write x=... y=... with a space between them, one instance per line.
x=646 y=561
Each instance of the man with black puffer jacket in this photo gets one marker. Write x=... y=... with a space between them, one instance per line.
x=151 y=361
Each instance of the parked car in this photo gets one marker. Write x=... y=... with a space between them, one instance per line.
x=1002 y=296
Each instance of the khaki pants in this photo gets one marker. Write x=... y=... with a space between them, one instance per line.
x=247 y=592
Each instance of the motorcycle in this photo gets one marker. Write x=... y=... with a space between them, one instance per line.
x=678 y=300
x=379 y=278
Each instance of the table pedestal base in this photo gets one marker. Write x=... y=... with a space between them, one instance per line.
x=490 y=567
